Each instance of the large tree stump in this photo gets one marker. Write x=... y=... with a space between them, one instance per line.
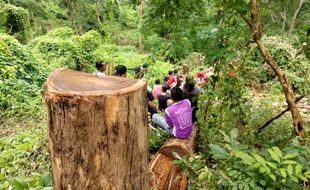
x=164 y=174
x=98 y=135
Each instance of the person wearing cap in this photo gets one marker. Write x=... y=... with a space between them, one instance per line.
x=120 y=71
x=101 y=66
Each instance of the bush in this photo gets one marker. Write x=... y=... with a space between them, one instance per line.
x=24 y=158
x=234 y=166
x=21 y=78
x=64 y=49
x=15 y=21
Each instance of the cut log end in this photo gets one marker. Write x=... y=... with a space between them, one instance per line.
x=164 y=174
x=67 y=82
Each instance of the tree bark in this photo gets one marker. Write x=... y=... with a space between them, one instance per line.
x=297 y=11
x=98 y=134
x=288 y=91
x=164 y=174
x=98 y=13
x=276 y=117
x=140 y=11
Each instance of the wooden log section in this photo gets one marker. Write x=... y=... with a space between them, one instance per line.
x=164 y=174
x=98 y=134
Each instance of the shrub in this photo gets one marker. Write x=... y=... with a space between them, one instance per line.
x=21 y=78
x=15 y=21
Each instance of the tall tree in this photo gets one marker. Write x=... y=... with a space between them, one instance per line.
x=288 y=91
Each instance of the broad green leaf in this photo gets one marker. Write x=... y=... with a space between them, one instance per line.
x=298 y=169
x=290 y=156
x=283 y=172
x=277 y=151
x=307 y=173
x=273 y=177
x=48 y=180
x=18 y=185
x=294 y=179
x=255 y=166
x=289 y=162
x=262 y=182
x=226 y=137
x=273 y=155
x=234 y=133
x=262 y=170
x=246 y=158
x=177 y=162
x=260 y=159
x=272 y=165
x=218 y=152
x=290 y=170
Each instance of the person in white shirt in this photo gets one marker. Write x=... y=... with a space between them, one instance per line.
x=101 y=67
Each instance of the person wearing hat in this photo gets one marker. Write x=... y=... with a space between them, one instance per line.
x=101 y=66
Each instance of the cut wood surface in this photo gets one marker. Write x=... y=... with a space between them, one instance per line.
x=69 y=82
x=97 y=131
x=164 y=174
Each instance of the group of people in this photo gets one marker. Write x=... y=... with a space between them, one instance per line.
x=177 y=104
x=177 y=98
x=101 y=66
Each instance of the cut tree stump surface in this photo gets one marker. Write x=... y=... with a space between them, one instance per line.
x=69 y=82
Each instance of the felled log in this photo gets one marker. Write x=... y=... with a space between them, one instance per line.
x=97 y=131
x=164 y=174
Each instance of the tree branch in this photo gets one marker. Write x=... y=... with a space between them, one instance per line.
x=297 y=11
x=276 y=117
x=287 y=88
x=246 y=20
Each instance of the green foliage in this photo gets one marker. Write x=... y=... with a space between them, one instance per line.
x=15 y=21
x=296 y=66
x=129 y=56
x=156 y=140
x=25 y=154
x=237 y=167
x=175 y=22
x=21 y=79
x=37 y=182
x=64 y=49
x=43 y=15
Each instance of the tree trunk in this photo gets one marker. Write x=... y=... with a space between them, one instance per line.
x=97 y=131
x=164 y=174
x=297 y=11
x=98 y=5
x=140 y=11
x=289 y=93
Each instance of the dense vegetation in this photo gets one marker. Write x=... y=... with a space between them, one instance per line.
x=38 y=36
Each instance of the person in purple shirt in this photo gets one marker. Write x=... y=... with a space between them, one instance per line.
x=178 y=116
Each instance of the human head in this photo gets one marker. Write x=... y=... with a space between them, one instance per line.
x=121 y=71
x=170 y=72
x=200 y=69
x=175 y=71
x=145 y=67
x=157 y=81
x=190 y=86
x=165 y=87
x=166 y=78
x=176 y=94
x=101 y=66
